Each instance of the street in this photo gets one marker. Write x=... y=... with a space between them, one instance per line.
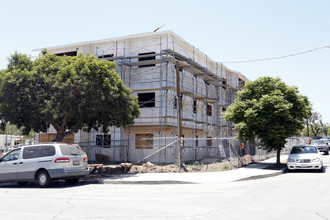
x=294 y=195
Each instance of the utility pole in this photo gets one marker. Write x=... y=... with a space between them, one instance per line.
x=179 y=109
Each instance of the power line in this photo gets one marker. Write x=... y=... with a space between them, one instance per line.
x=280 y=57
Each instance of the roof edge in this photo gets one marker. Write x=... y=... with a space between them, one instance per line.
x=107 y=39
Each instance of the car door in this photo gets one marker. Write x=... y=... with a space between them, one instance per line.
x=29 y=163
x=8 y=166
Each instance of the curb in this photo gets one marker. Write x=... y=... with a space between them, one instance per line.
x=151 y=182
x=167 y=182
x=256 y=177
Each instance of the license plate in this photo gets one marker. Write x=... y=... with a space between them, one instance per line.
x=303 y=165
x=76 y=162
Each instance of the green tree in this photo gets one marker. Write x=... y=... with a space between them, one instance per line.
x=269 y=110
x=69 y=93
x=316 y=124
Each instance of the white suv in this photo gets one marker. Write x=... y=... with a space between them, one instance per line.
x=43 y=163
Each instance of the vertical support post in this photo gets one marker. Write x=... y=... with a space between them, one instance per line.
x=160 y=127
x=93 y=146
x=121 y=149
x=179 y=109
x=114 y=144
x=6 y=144
x=102 y=143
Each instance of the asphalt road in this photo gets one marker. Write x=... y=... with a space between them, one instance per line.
x=294 y=195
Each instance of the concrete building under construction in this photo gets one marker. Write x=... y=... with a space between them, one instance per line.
x=168 y=75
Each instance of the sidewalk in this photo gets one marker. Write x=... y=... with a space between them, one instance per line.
x=253 y=171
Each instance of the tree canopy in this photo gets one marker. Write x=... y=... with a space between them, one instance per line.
x=316 y=124
x=69 y=93
x=269 y=110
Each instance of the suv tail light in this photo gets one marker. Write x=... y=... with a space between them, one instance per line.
x=85 y=159
x=62 y=160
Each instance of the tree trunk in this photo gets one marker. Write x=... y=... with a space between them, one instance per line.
x=59 y=137
x=278 y=157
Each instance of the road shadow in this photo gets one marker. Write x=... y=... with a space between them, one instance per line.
x=57 y=184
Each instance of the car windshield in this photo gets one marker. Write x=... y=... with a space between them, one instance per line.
x=303 y=150
x=317 y=142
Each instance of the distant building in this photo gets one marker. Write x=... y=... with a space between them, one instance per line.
x=147 y=64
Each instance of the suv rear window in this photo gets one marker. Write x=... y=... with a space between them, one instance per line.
x=71 y=150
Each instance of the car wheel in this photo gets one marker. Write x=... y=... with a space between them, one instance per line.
x=327 y=152
x=72 y=181
x=43 y=179
x=321 y=170
x=22 y=183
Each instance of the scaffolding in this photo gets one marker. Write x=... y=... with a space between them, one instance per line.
x=147 y=65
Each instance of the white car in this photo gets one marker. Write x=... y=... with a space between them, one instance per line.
x=43 y=163
x=305 y=157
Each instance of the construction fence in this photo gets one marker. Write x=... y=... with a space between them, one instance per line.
x=168 y=150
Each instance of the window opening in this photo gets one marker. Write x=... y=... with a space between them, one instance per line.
x=144 y=141
x=209 y=110
x=146 y=100
x=195 y=106
x=175 y=103
x=70 y=54
x=147 y=58
x=209 y=141
x=106 y=56
x=103 y=140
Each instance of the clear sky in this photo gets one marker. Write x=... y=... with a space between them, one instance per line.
x=225 y=30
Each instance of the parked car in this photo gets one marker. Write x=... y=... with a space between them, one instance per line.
x=321 y=145
x=327 y=142
x=43 y=163
x=305 y=157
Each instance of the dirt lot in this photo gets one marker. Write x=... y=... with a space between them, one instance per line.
x=195 y=167
x=198 y=166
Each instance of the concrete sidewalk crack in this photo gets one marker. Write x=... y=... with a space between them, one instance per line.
x=321 y=216
x=67 y=202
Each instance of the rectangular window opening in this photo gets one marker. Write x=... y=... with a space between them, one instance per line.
x=106 y=56
x=103 y=140
x=70 y=54
x=147 y=57
x=224 y=85
x=146 y=100
x=209 y=110
x=209 y=141
x=144 y=141
x=195 y=106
